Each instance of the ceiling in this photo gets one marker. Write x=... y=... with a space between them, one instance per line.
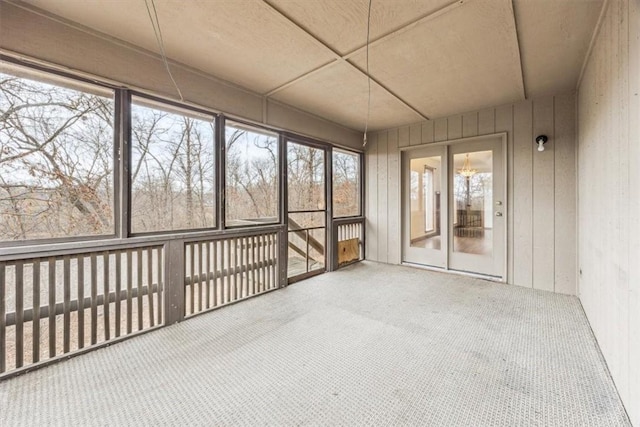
x=427 y=58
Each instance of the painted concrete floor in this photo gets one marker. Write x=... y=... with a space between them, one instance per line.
x=370 y=345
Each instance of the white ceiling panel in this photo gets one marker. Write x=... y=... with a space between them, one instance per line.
x=339 y=93
x=342 y=24
x=463 y=60
x=554 y=39
x=245 y=42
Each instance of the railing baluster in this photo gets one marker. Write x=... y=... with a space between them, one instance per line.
x=66 y=319
x=234 y=243
x=52 y=304
x=94 y=299
x=242 y=265
x=215 y=272
x=228 y=275
x=129 y=291
x=3 y=328
x=36 y=312
x=254 y=264
x=207 y=255
x=192 y=282
x=159 y=251
x=150 y=286
x=201 y=280
x=269 y=283
x=105 y=291
x=19 y=277
x=272 y=260
x=139 y=283
x=265 y=262
x=118 y=284
x=80 y=301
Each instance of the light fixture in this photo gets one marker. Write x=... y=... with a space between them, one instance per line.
x=466 y=170
x=541 y=140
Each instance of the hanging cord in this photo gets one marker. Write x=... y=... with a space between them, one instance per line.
x=366 y=124
x=158 y=32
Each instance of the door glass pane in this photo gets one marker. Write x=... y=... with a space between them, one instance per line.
x=306 y=218
x=472 y=203
x=425 y=202
x=305 y=168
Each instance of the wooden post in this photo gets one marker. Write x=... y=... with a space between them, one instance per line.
x=174 y=282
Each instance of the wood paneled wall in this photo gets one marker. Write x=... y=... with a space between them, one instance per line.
x=609 y=195
x=541 y=186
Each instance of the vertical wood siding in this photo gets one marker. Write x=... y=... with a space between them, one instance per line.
x=609 y=195
x=541 y=186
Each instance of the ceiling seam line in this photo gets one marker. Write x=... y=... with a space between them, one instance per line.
x=340 y=58
x=345 y=57
x=424 y=18
x=515 y=25
x=301 y=77
x=594 y=36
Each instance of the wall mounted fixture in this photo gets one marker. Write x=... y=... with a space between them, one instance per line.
x=541 y=140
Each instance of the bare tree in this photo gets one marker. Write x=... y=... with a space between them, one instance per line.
x=56 y=160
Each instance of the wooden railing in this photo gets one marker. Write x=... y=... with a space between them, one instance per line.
x=225 y=270
x=55 y=305
x=345 y=229
x=61 y=299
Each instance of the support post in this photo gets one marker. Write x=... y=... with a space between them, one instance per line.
x=174 y=279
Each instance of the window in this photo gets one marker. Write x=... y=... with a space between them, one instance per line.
x=56 y=157
x=252 y=176
x=429 y=196
x=172 y=168
x=346 y=183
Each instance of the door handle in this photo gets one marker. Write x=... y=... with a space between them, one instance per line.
x=498 y=213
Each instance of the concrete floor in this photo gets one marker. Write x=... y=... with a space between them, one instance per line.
x=369 y=345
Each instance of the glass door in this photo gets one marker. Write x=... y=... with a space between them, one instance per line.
x=477 y=209
x=307 y=210
x=425 y=209
x=454 y=206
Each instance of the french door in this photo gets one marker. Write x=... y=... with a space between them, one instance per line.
x=454 y=206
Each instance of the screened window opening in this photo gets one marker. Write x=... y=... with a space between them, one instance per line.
x=56 y=157
x=172 y=168
x=252 y=176
x=346 y=183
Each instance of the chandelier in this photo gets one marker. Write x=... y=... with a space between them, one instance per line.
x=466 y=170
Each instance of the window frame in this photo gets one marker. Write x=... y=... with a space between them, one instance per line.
x=360 y=176
x=122 y=97
x=116 y=149
x=281 y=170
x=127 y=186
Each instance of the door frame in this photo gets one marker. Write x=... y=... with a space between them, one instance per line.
x=506 y=208
x=328 y=203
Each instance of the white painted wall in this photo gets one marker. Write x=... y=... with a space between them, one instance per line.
x=36 y=36
x=609 y=195
x=541 y=186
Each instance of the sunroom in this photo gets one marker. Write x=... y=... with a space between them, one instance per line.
x=320 y=212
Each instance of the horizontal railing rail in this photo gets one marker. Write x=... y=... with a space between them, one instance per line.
x=28 y=314
x=98 y=245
